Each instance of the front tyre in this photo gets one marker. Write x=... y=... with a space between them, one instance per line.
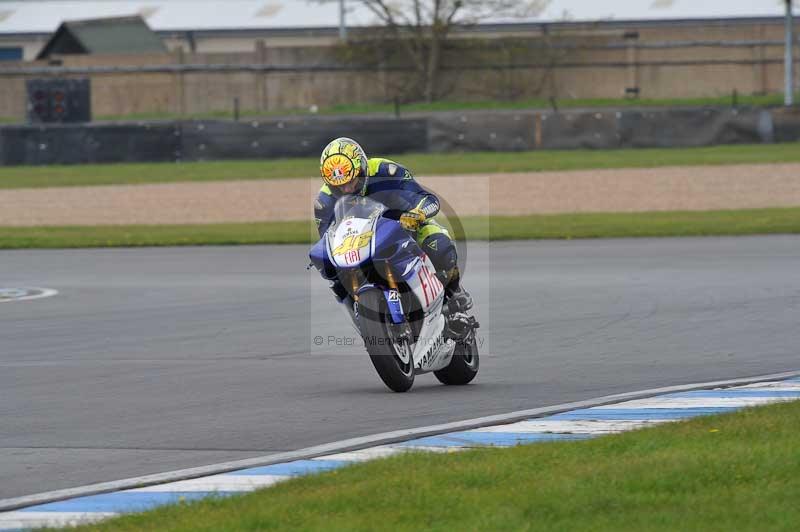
x=463 y=366
x=390 y=355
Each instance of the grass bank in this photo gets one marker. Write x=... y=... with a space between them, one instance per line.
x=421 y=164
x=728 y=100
x=729 y=472
x=561 y=226
x=440 y=106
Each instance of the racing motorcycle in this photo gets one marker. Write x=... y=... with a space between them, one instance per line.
x=394 y=298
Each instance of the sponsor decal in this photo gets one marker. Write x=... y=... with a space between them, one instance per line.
x=431 y=286
x=411 y=265
x=353 y=256
x=433 y=244
x=392 y=169
x=318 y=205
x=353 y=242
x=394 y=296
x=432 y=353
x=431 y=209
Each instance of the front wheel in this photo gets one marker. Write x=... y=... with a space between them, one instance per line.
x=391 y=355
x=463 y=366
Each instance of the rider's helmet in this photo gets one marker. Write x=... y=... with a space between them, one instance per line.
x=343 y=166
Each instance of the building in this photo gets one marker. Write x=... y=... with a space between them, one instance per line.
x=214 y=26
x=114 y=35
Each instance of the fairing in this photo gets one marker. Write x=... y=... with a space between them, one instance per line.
x=360 y=241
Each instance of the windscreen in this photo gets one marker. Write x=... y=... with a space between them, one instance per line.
x=355 y=207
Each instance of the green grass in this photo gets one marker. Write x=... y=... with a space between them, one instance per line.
x=421 y=164
x=155 y=235
x=561 y=226
x=737 y=471
x=727 y=100
x=626 y=225
x=422 y=107
x=544 y=103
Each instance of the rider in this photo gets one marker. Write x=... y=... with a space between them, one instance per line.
x=345 y=169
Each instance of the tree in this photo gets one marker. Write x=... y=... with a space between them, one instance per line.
x=422 y=27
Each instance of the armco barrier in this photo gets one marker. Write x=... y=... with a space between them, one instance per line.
x=438 y=132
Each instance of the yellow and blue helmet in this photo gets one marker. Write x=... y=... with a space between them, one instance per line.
x=343 y=167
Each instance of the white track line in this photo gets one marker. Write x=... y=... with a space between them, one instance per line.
x=784 y=386
x=383 y=451
x=696 y=402
x=44 y=292
x=213 y=483
x=574 y=427
x=25 y=520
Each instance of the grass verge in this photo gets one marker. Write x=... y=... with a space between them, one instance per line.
x=561 y=226
x=422 y=107
x=421 y=164
x=728 y=472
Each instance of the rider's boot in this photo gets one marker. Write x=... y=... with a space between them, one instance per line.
x=458 y=299
x=459 y=323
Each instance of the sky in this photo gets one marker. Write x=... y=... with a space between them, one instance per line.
x=660 y=9
x=45 y=16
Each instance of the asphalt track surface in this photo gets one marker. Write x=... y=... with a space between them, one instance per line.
x=157 y=359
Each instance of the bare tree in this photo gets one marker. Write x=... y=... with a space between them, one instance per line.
x=422 y=27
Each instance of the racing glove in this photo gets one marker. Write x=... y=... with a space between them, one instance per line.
x=427 y=208
x=411 y=220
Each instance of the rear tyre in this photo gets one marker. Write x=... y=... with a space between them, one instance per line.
x=464 y=365
x=391 y=356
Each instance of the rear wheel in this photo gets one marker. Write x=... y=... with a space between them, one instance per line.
x=463 y=366
x=389 y=352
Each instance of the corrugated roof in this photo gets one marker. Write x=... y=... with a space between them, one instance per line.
x=114 y=35
x=35 y=16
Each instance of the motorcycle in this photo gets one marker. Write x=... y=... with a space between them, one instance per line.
x=394 y=298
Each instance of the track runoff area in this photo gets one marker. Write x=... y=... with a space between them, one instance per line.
x=609 y=415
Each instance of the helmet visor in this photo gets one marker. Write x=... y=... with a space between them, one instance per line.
x=351 y=187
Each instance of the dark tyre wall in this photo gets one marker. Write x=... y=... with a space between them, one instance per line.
x=440 y=132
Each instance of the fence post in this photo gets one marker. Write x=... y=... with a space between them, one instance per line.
x=261 y=82
x=788 y=60
x=632 y=51
x=179 y=84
